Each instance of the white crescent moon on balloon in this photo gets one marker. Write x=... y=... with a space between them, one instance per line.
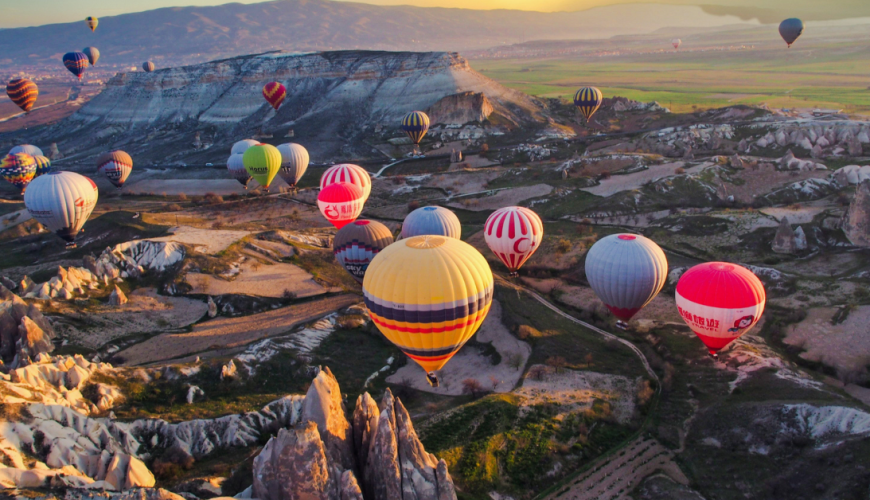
x=517 y=245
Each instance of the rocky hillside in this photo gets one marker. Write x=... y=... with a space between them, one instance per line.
x=333 y=99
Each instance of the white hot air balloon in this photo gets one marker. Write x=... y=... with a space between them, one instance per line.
x=242 y=146
x=29 y=149
x=676 y=42
x=294 y=162
x=236 y=167
x=513 y=234
x=347 y=172
x=62 y=202
x=626 y=271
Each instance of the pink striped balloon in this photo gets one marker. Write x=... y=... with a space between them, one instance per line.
x=347 y=172
x=513 y=234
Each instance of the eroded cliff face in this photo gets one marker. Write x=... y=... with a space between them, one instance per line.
x=332 y=98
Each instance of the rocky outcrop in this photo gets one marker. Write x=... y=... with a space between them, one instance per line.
x=459 y=109
x=358 y=88
x=784 y=241
x=212 y=308
x=326 y=457
x=852 y=174
x=24 y=332
x=117 y=298
x=856 y=224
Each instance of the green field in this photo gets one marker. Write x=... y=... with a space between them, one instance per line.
x=822 y=73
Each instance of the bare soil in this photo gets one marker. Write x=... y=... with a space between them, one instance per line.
x=223 y=332
x=260 y=280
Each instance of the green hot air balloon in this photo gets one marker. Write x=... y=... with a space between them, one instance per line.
x=262 y=162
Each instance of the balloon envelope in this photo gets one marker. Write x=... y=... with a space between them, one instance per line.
x=43 y=165
x=791 y=29
x=720 y=302
x=437 y=221
x=341 y=203
x=347 y=172
x=18 y=169
x=92 y=22
x=262 y=163
x=428 y=295
x=22 y=92
x=76 y=63
x=29 y=149
x=242 y=146
x=626 y=271
x=274 y=93
x=294 y=162
x=116 y=166
x=93 y=55
x=513 y=234
x=148 y=66
x=588 y=100
x=236 y=167
x=676 y=42
x=356 y=244
x=415 y=125
x=62 y=202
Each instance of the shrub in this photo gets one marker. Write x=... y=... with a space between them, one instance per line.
x=563 y=245
x=604 y=175
x=526 y=331
x=288 y=295
x=413 y=205
x=556 y=362
x=212 y=198
x=679 y=170
x=182 y=197
x=174 y=207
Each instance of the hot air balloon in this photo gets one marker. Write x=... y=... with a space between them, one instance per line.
x=116 y=166
x=22 y=92
x=274 y=93
x=92 y=23
x=43 y=165
x=242 y=146
x=513 y=234
x=415 y=125
x=62 y=202
x=626 y=271
x=341 y=203
x=262 y=163
x=356 y=244
x=791 y=29
x=294 y=162
x=347 y=172
x=29 y=149
x=148 y=66
x=428 y=295
x=720 y=302
x=676 y=42
x=588 y=100
x=18 y=169
x=236 y=166
x=75 y=62
x=437 y=221
x=93 y=55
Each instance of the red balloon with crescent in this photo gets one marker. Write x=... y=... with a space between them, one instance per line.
x=274 y=93
x=720 y=302
x=341 y=203
x=513 y=234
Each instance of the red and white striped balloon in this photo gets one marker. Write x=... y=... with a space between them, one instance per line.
x=513 y=234
x=720 y=302
x=341 y=203
x=347 y=172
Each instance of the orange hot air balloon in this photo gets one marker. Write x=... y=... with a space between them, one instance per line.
x=274 y=93
x=22 y=92
x=341 y=203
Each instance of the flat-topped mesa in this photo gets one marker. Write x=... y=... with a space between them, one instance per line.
x=331 y=96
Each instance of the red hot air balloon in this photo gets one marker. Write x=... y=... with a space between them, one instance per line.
x=274 y=93
x=720 y=302
x=513 y=234
x=341 y=203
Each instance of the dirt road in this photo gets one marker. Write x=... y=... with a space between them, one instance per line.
x=231 y=332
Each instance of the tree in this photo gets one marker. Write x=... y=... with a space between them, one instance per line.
x=588 y=360
x=473 y=387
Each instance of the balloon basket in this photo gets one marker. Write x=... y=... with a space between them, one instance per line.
x=70 y=246
x=514 y=274
x=432 y=379
x=622 y=325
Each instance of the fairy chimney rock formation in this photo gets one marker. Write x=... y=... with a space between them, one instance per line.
x=784 y=241
x=857 y=220
x=326 y=457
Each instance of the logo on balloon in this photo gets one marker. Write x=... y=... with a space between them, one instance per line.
x=331 y=212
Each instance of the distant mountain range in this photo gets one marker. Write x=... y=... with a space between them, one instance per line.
x=185 y=35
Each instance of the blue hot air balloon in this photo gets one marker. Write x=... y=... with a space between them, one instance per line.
x=75 y=62
x=436 y=221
